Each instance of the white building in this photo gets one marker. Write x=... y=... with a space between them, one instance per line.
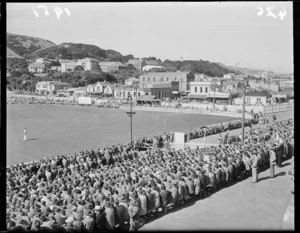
x=87 y=64
x=149 y=67
x=132 y=81
x=51 y=87
x=253 y=98
x=229 y=76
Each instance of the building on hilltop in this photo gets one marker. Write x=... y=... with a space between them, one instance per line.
x=140 y=63
x=39 y=66
x=87 y=64
x=152 y=67
x=109 y=67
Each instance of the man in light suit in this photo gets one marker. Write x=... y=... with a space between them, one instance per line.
x=272 y=160
x=254 y=167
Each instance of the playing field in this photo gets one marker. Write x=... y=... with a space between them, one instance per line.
x=55 y=130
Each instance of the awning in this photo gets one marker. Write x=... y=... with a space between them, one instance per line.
x=195 y=97
x=175 y=92
x=148 y=98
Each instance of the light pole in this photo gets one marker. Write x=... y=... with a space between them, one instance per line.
x=243 y=115
x=131 y=114
x=204 y=128
x=214 y=86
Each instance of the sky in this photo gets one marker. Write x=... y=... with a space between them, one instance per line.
x=252 y=35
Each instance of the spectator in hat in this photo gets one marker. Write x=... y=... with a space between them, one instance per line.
x=101 y=223
x=272 y=160
x=110 y=213
x=88 y=221
x=134 y=213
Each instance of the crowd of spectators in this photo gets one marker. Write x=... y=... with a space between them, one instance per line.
x=104 y=189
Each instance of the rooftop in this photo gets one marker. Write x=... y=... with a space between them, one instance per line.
x=257 y=93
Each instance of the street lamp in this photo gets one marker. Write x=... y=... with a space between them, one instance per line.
x=243 y=115
x=204 y=127
x=214 y=86
x=131 y=114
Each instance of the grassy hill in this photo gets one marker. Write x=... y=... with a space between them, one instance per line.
x=32 y=48
x=208 y=68
x=74 y=51
x=25 y=45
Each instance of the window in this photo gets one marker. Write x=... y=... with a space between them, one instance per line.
x=139 y=94
x=258 y=100
x=134 y=94
x=206 y=89
x=248 y=99
x=143 y=78
x=167 y=78
x=201 y=89
x=175 y=79
x=161 y=79
x=123 y=94
x=195 y=89
x=98 y=88
x=153 y=78
x=148 y=78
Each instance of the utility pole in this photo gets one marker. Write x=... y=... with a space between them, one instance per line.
x=243 y=115
x=131 y=114
x=214 y=86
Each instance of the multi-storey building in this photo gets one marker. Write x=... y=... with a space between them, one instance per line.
x=184 y=79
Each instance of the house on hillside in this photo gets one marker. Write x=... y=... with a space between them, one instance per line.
x=109 y=89
x=229 y=76
x=253 y=98
x=39 y=66
x=51 y=87
x=151 y=67
x=132 y=81
x=136 y=63
x=100 y=86
x=87 y=64
x=109 y=67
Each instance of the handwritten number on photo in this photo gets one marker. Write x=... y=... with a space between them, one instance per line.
x=269 y=12
x=46 y=9
x=58 y=11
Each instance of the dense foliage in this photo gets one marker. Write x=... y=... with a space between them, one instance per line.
x=205 y=67
x=73 y=51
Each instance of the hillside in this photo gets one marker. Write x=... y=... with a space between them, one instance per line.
x=74 y=51
x=24 y=45
x=30 y=47
x=205 y=67
x=10 y=53
x=245 y=70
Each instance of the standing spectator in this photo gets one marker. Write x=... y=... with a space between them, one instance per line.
x=134 y=213
x=254 y=167
x=272 y=161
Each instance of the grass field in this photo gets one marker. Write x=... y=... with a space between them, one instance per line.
x=55 y=130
